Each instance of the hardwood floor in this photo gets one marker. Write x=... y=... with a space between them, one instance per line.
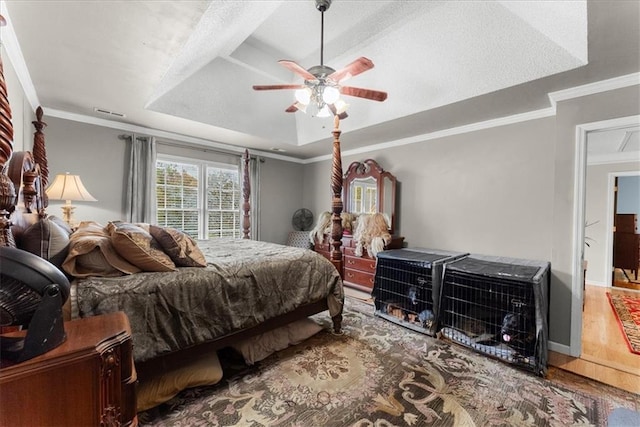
x=625 y=279
x=605 y=355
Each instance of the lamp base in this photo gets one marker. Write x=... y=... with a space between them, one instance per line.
x=67 y=213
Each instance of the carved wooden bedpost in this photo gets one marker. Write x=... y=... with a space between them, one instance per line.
x=7 y=189
x=40 y=154
x=336 y=202
x=246 y=193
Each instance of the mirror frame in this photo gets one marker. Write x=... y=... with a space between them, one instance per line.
x=371 y=169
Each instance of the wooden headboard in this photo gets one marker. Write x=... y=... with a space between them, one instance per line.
x=23 y=195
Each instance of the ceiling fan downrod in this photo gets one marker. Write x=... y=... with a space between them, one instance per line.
x=322 y=6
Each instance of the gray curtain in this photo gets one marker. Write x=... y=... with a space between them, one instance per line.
x=140 y=195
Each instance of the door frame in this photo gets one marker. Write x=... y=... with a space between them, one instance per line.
x=610 y=219
x=579 y=179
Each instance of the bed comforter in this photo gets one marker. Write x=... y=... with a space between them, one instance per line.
x=245 y=282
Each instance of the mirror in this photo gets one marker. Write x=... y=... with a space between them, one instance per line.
x=369 y=189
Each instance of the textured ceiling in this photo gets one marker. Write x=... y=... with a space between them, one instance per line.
x=188 y=67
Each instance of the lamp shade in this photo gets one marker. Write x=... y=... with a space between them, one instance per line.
x=68 y=187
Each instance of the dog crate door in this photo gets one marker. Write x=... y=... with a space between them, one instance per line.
x=407 y=286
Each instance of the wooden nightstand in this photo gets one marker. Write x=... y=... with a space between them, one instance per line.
x=89 y=380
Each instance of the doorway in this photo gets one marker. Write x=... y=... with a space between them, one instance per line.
x=611 y=151
x=612 y=154
x=626 y=240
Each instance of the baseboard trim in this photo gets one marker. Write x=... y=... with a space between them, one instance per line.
x=559 y=348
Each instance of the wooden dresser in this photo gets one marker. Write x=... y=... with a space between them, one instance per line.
x=89 y=380
x=358 y=271
x=626 y=243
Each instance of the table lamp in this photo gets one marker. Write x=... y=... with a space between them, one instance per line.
x=68 y=187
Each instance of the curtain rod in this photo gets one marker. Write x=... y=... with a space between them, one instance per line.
x=195 y=147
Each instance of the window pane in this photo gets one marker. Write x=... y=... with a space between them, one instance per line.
x=190 y=198
x=223 y=202
x=179 y=193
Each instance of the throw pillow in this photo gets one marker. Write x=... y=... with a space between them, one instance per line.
x=46 y=239
x=137 y=246
x=180 y=247
x=92 y=254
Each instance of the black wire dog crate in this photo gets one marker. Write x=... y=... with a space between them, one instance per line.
x=498 y=306
x=407 y=286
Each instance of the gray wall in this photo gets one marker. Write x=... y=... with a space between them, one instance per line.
x=95 y=154
x=501 y=191
x=488 y=192
x=100 y=158
x=588 y=109
x=21 y=112
x=280 y=196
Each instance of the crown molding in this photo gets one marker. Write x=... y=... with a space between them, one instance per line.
x=620 y=82
x=206 y=143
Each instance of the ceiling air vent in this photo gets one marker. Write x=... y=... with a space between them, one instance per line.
x=108 y=112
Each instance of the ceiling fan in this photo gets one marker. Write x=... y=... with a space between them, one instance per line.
x=323 y=85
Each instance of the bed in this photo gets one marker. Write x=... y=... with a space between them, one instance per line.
x=181 y=318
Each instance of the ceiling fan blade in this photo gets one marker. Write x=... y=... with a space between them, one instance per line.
x=374 y=95
x=358 y=66
x=293 y=66
x=291 y=109
x=275 y=87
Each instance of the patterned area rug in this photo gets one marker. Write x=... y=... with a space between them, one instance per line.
x=627 y=310
x=380 y=374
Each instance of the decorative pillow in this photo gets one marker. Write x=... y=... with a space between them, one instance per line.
x=46 y=239
x=180 y=247
x=137 y=246
x=91 y=254
x=20 y=221
x=173 y=374
x=261 y=346
x=60 y=223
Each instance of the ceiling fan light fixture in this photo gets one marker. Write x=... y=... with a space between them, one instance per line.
x=319 y=96
x=303 y=96
x=324 y=111
x=301 y=107
x=340 y=106
x=330 y=94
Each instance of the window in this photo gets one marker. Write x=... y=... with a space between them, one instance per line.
x=200 y=198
